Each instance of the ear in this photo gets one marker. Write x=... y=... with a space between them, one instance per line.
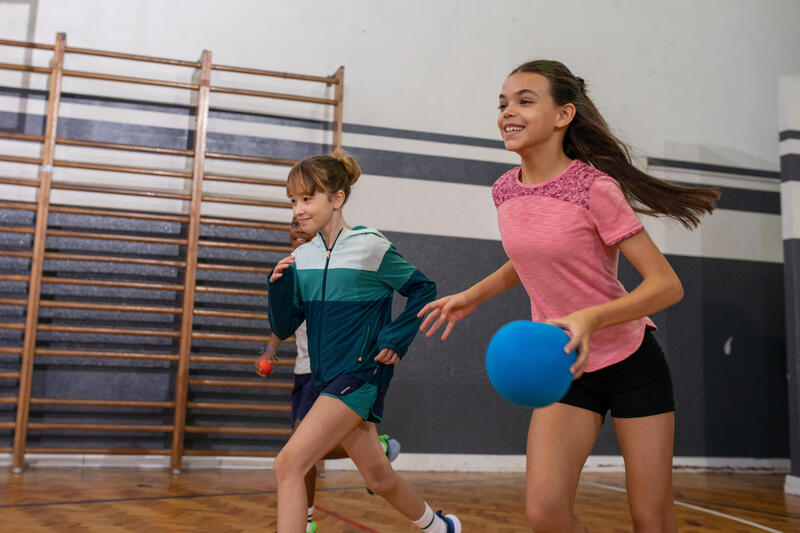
x=338 y=199
x=564 y=115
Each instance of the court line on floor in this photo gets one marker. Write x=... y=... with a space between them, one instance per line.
x=269 y=490
x=690 y=506
x=136 y=498
x=346 y=520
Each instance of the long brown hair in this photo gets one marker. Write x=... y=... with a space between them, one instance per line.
x=589 y=139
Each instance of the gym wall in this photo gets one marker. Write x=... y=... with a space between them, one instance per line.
x=692 y=86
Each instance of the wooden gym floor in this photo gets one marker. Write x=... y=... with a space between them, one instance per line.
x=102 y=500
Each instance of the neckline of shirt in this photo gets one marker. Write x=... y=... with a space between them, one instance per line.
x=518 y=174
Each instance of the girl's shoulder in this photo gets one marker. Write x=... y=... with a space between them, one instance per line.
x=362 y=236
x=362 y=248
x=505 y=186
x=573 y=185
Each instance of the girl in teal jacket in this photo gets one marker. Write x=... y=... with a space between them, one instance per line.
x=341 y=283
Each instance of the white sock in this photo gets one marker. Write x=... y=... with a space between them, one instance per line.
x=310 y=516
x=429 y=522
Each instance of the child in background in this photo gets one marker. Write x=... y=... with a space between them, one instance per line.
x=341 y=283
x=305 y=393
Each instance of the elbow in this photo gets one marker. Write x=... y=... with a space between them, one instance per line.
x=431 y=292
x=675 y=291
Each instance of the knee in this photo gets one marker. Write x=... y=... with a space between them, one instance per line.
x=546 y=513
x=654 y=518
x=285 y=466
x=381 y=481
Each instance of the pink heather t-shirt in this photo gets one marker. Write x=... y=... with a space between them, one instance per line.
x=560 y=235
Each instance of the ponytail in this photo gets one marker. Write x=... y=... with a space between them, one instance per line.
x=589 y=139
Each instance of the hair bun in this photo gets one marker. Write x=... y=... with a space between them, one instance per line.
x=351 y=168
x=581 y=83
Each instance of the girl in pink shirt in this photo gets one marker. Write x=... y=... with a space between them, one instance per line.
x=564 y=216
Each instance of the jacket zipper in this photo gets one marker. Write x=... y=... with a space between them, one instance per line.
x=324 y=283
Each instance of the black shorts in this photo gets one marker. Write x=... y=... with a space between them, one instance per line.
x=639 y=385
x=304 y=394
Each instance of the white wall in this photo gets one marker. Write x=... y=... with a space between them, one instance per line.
x=693 y=81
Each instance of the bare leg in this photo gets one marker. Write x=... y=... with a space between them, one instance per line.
x=646 y=445
x=326 y=424
x=311 y=478
x=365 y=450
x=560 y=439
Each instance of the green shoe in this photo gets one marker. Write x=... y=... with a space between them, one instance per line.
x=390 y=446
x=313 y=528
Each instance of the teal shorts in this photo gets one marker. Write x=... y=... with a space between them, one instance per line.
x=365 y=399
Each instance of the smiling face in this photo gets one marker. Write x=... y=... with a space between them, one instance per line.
x=528 y=115
x=311 y=210
x=297 y=236
x=314 y=211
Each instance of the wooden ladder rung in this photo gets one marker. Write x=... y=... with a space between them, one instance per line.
x=52 y=426
x=239 y=406
x=266 y=384
x=232 y=430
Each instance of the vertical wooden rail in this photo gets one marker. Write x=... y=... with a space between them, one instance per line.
x=37 y=260
x=190 y=272
x=338 y=116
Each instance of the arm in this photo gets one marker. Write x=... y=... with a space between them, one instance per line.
x=659 y=289
x=453 y=308
x=285 y=306
x=270 y=353
x=402 y=276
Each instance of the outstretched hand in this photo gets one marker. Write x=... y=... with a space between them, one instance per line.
x=581 y=325
x=449 y=309
x=283 y=264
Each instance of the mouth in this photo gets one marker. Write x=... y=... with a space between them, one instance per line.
x=511 y=130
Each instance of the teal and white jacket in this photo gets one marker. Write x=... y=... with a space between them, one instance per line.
x=344 y=293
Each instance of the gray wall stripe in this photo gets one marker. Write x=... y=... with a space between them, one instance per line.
x=447 y=380
x=721 y=169
x=789 y=134
x=103 y=101
x=752 y=201
x=790 y=167
x=379 y=162
x=424 y=136
x=259 y=118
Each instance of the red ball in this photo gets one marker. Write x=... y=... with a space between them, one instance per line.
x=265 y=366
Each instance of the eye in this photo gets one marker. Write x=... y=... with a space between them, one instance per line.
x=306 y=198
x=502 y=106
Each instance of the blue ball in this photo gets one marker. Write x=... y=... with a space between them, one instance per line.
x=527 y=365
